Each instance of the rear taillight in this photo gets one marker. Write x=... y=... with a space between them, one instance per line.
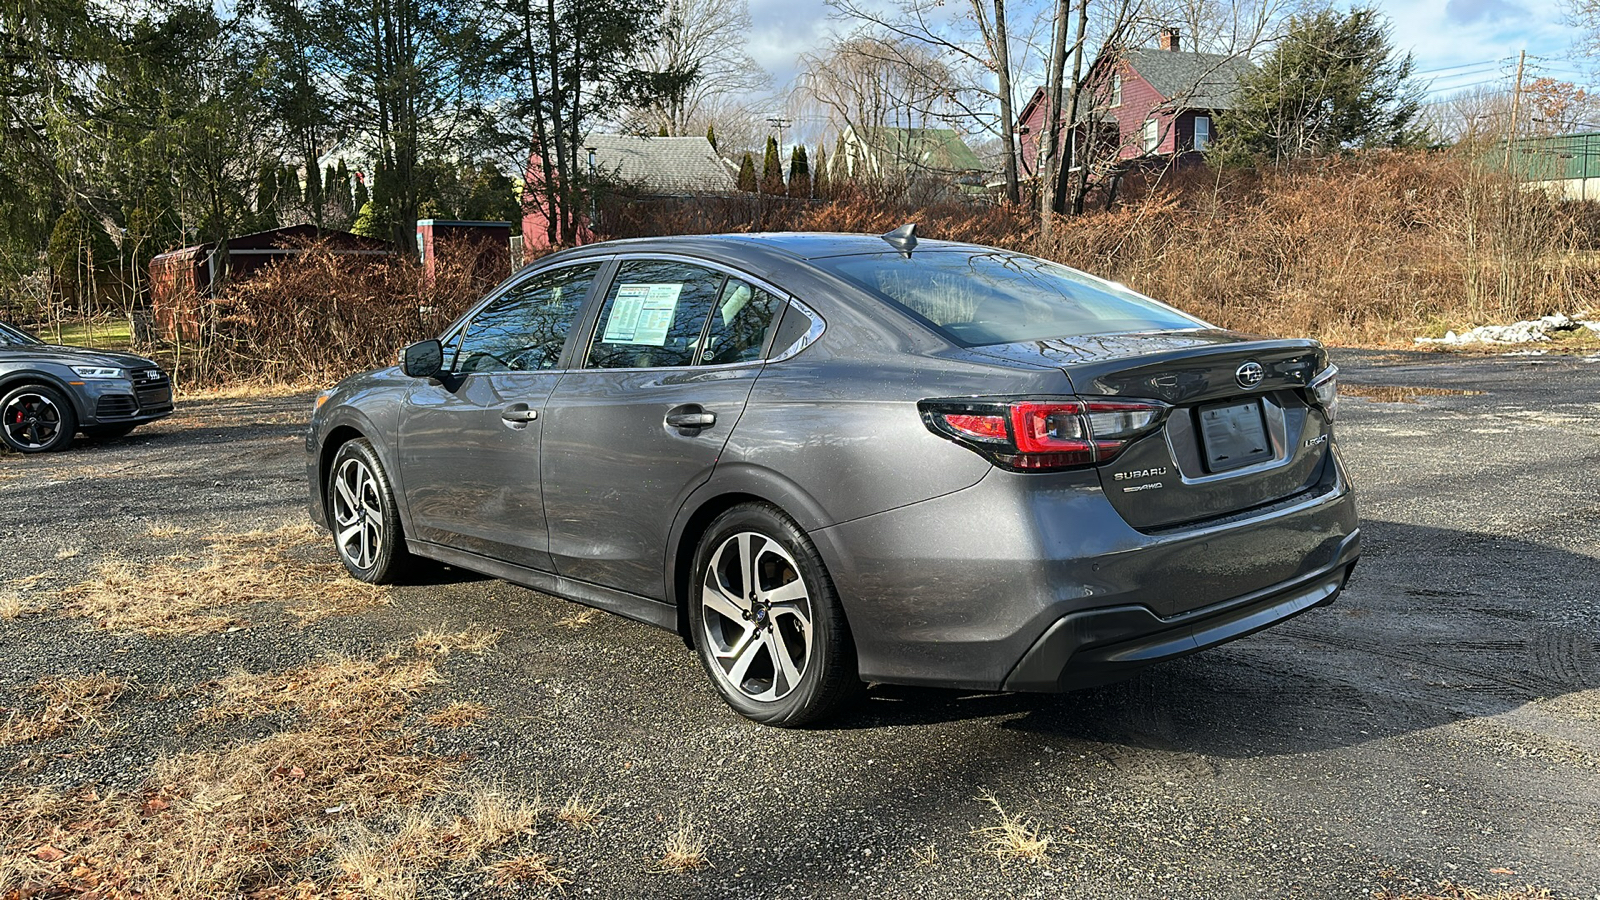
x=1046 y=433
x=1325 y=388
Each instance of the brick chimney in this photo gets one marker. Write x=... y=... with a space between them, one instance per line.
x=1168 y=39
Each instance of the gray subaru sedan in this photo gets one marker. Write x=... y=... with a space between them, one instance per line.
x=832 y=459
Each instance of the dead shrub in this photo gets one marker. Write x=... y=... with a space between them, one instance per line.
x=1371 y=247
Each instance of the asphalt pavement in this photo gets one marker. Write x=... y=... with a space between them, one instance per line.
x=1441 y=721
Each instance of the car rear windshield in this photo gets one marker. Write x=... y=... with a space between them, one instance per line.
x=997 y=298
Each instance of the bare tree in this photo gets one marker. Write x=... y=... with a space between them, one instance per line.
x=701 y=37
x=984 y=55
x=871 y=84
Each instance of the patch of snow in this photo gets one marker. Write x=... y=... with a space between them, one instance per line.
x=1526 y=332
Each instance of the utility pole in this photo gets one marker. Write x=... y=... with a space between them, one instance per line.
x=1516 y=103
x=780 y=123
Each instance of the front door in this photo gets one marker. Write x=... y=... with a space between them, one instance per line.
x=469 y=441
x=664 y=379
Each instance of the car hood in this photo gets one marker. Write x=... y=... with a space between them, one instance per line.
x=74 y=356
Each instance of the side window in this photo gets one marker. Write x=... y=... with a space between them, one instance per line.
x=654 y=315
x=740 y=322
x=525 y=328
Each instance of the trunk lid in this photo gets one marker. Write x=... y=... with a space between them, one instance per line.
x=1229 y=443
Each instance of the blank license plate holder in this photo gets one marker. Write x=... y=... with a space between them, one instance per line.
x=1233 y=434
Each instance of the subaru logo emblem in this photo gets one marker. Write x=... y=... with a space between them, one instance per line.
x=1250 y=374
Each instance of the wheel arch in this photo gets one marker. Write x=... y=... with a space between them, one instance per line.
x=16 y=379
x=337 y=437
x=728 y=488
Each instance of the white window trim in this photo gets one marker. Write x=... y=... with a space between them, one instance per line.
x=1201 y=145
x=1150 y=135
x=1116 y=90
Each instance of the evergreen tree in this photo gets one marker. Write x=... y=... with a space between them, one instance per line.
x=78 y=253
x=841 y=163
x=711 y=135
x=291 y=194
x=662 y=132
x=819 y=178
x=360 y=197
x=267 y=199
x=747 y=174
x=1334 y=81
x=314 y=195
x=772 y=169
x=799 y=173
x=367 y=224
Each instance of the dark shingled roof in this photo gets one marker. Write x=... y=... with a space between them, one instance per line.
x=667 y=165
x=1195 y=80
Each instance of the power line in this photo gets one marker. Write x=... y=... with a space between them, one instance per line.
x=1470 y=65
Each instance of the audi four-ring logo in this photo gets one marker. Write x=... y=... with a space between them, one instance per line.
x=1250 y=374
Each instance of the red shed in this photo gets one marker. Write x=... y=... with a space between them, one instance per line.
x=178 y=278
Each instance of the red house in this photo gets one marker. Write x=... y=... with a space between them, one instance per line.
x=1160 y=102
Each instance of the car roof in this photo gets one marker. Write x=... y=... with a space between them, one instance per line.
x=804 y=245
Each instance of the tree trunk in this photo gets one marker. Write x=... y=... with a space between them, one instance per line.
x=1080 y=155
x=1047 y=162
x=1008 y=132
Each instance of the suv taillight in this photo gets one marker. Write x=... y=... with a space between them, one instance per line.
x=1046 y=433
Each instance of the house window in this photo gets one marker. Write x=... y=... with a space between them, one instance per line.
x=1202 y=132
x=1150 y=136
x=1116 y=89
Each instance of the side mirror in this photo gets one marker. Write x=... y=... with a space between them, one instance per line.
x=424 y=359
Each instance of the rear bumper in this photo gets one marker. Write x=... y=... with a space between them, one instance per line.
x=1097 y=646
x=1034 y=582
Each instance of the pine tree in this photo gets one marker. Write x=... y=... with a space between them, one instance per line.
x=359 y=198
x=711 y=135
x=799 y=173
x=819 y=178
x=662 y=132
x=747 y=174
x=291 y=195
x=772 y=170
x=840 y=162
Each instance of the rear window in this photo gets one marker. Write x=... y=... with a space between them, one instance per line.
x=997 y=298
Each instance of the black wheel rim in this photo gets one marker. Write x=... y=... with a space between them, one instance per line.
x=32 y=421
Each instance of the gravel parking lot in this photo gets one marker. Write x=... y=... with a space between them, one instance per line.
x=1440 y=723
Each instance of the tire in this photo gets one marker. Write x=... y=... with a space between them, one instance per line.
x=35 y=418
x=107 y=432
x=744 y=636
x=363 y=517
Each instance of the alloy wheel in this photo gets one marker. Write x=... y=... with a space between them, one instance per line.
x=357 y=513
x=757 y=617
x=32 y=421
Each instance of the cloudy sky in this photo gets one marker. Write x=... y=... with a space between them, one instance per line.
x=1458 y=43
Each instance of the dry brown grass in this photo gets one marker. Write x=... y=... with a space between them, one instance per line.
x=1012 y=837
x=249 y=389
x=441 y=643
x=182 y=595
x=458 y=714
x=13 y=607
x=579 y=619
x=67 y=703
x=581 y=811
x=225 y=821
x=685 y=849
x=1387 y=393
x=530 y=868
x=925 y=856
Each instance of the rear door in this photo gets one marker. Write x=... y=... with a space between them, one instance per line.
x=469 y=441
x=640 y=421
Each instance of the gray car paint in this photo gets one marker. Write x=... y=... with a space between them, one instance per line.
x=949 y=569
x=50 y=364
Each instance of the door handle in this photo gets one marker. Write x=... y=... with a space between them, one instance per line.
x=690 y=415
x=519 y=415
